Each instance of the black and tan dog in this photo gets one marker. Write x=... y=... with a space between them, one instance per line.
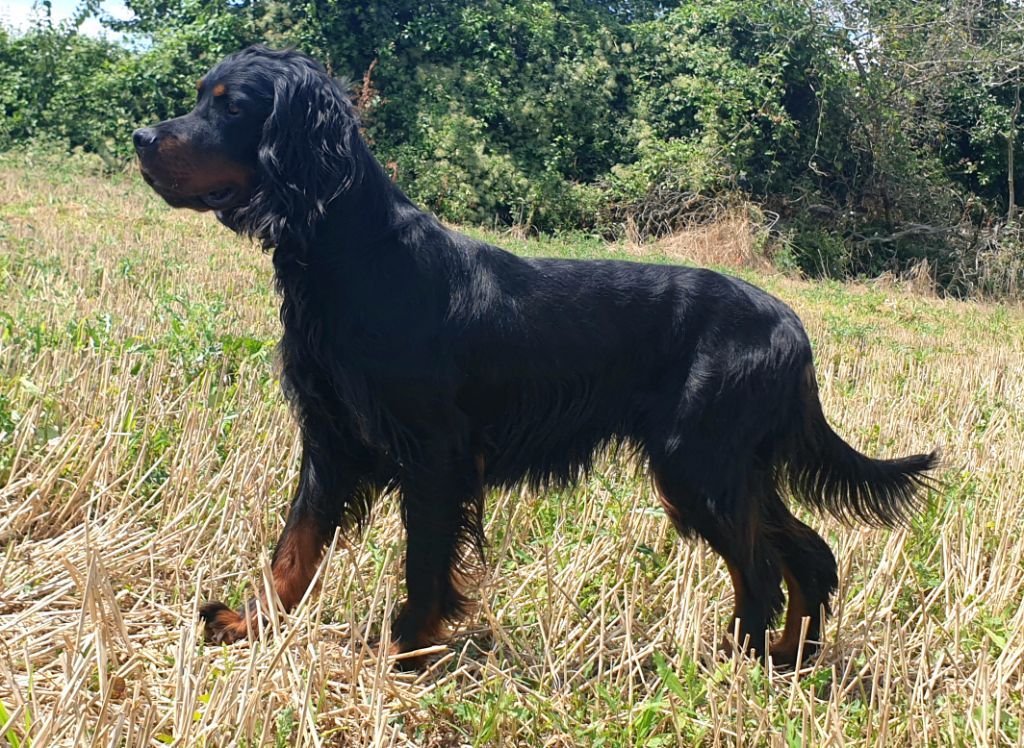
x=418 y=359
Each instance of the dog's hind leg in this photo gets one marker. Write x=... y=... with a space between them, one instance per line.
x=809 y=568
x=443 y=514
x=739 y=537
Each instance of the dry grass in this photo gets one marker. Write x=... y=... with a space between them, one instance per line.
x=146 y=460
x=733 y=239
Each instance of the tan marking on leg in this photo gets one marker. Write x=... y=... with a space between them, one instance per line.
x=668 y=506
x=739 y=590
x=296 y=561
x=784 y=650
x=729 y=643
x=225 y=626
x=416 y=629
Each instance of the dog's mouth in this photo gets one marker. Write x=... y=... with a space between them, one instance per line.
x=220 y=199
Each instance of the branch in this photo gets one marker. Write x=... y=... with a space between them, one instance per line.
x=914 y=229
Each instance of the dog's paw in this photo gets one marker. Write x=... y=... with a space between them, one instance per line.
x=223 y=625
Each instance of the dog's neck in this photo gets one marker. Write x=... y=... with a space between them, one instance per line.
x=369 y=217
x=362 y=216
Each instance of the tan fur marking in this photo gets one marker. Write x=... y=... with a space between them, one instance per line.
x=193 y=174
x=220 y=89
x=670 y=510
x=225 y=626
x=416 y=629
x=785 y=648
x=296 y=562
x=739 y=589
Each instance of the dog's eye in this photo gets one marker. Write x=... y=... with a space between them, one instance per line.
x=234 y=109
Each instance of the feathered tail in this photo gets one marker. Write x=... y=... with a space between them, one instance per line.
x=824 y=471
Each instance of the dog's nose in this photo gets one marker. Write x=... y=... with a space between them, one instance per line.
x=144 y=138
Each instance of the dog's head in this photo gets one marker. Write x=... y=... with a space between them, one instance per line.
x=272 y=140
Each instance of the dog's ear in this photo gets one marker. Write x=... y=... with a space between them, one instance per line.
x=307 y=155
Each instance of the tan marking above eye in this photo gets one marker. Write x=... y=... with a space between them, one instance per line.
x=220 y=89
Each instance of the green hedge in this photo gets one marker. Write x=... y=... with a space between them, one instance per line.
x=578 y=115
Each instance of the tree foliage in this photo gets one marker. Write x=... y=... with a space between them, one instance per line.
x=880 y=132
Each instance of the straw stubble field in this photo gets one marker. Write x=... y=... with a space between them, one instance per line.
x=146 y=461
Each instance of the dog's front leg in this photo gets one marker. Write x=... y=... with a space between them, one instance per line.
x=443 y=513
x=327 y=494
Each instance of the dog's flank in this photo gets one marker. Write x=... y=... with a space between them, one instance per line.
x=418 y=359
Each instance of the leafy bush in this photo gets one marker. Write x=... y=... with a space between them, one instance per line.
x=876 y=141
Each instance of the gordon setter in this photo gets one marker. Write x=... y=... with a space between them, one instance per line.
x=420 y=360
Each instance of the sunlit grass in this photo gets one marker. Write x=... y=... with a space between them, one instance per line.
x=147 y=457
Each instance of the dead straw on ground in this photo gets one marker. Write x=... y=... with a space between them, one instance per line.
x=149 y=459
